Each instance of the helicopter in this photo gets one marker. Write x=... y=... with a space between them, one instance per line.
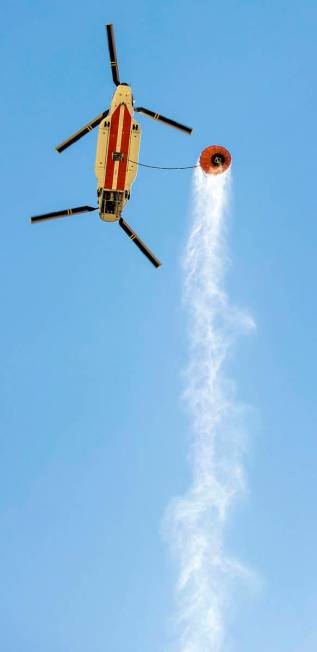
x=117 y=154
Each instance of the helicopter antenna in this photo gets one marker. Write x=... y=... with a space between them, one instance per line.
x=113 y=55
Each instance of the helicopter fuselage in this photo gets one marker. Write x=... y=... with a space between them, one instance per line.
x=117 y=155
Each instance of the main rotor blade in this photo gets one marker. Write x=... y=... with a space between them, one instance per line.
x=113 y=55
x=162 y=118
x=79 y=134
x=64 y=213
x=133 y=236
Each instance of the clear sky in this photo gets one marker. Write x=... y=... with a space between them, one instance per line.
x=94 y=435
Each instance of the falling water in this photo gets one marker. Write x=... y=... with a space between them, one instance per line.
x=195 y=522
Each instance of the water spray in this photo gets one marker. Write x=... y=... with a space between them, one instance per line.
x=195 y=522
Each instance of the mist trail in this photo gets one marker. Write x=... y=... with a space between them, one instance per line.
x=195 y=522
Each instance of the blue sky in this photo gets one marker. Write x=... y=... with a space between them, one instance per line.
x=93 y=340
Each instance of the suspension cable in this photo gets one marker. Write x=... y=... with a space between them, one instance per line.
x=159 y=167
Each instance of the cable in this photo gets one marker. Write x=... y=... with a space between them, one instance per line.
x=159 y=167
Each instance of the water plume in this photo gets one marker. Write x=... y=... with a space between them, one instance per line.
x=195 y=522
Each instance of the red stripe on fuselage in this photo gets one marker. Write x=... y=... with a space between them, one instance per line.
x=124 y=149
x=112 y=148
